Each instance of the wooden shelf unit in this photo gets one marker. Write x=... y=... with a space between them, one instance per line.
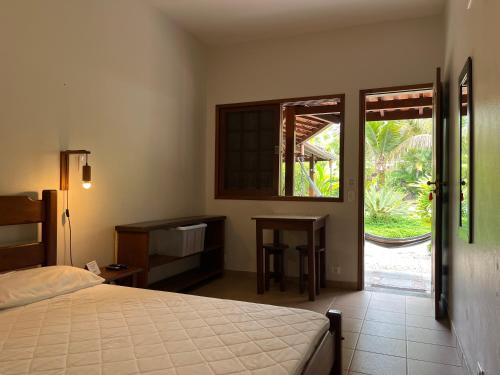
x=133 y=249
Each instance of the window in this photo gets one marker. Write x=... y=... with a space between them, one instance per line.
x=288 y=149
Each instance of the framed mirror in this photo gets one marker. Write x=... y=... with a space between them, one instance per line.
x=466 y=119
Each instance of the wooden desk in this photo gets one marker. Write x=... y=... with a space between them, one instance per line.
x=277 y=223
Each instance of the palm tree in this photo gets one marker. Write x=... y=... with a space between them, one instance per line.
x=386 y=141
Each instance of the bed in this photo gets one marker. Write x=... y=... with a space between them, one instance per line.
x=108 y=329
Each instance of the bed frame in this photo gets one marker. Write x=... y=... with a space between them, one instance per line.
x=16 y=210
x=335 y=317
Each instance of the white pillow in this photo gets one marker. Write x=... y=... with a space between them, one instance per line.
x=27 y=286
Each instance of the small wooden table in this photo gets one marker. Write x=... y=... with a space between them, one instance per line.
x=122 y=277
x=277 y=223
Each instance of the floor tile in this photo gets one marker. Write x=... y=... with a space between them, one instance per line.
x=415 y=299
x=433 y=353
x=391 y=331
x=350 y=340
x=428 y=368
x=356 y=299
x=351 y=325
x=385 y=316
x=388 y=297
x=382 y=345
x=425 y=322
x=378 y=364
x=419 y=310
x=430 y=336
x=398 y=307
x=347 y=355
x=420 y=306
x=350 y=311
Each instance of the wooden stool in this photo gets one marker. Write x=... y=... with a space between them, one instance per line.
x=320 y=265
x=278 y=274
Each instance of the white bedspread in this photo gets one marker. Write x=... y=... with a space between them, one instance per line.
x=113 y=330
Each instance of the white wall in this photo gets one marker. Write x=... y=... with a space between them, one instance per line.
x=341 y=61
x=112 y=76
x=475 y=270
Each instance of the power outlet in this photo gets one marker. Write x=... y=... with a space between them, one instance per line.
x=480 y=370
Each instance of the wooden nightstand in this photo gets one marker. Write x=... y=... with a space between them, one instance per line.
x=127 y=277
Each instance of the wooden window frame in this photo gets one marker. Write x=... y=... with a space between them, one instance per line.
x=221 y=193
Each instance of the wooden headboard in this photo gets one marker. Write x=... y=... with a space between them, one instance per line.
x=15 y=210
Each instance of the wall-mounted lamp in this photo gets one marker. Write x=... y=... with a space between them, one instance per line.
x=86 y=171
x=64 y=183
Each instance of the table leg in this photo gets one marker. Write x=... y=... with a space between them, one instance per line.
x=276 y=241
x=276 y=236
x=311 y=267
x=267 y=269
x=322 y=244
x=260 y=265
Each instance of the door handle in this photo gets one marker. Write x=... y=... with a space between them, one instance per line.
x=435 y=183
x=435 y=190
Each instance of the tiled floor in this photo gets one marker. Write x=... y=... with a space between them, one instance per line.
x=384 y=334
x=389 y=334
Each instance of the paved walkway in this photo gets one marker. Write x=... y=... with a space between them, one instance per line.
x=406 y=268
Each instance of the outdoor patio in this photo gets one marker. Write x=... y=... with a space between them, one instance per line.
x=405 y=268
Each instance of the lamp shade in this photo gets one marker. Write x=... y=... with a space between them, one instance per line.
x=87 y=176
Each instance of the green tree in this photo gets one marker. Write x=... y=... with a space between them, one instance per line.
x=387 y=140
x=424 y=204
x=410 y=167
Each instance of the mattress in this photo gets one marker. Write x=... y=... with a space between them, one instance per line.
x=113 y=330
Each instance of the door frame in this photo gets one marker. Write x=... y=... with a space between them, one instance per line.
x=361 y=168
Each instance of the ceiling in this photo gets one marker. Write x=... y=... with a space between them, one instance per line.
x=234 y=21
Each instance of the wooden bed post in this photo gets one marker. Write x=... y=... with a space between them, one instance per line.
x=335 y=317
x=21 y=209
x=49 y=226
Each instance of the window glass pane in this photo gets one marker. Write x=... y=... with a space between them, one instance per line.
x=316 y=163
x=317 y=167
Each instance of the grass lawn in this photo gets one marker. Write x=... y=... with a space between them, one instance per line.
x=397 y=227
